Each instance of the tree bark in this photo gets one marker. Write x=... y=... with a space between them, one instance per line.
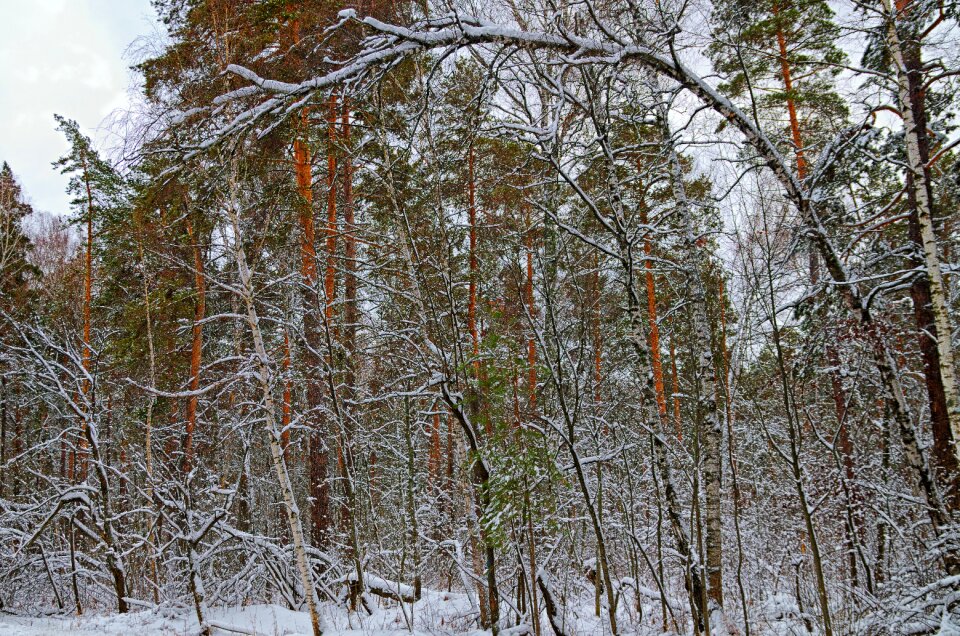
x=286 y=409
x=905 y=53
x=196 y=347
x=264 y=375
x=651 y=285
x=318 y=487
x=708 y=403
x=87 y=354
x=350 y=319
x=148 y=433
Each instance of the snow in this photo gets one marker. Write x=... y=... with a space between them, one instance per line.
x=437 y=613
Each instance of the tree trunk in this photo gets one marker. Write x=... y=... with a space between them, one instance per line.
x=553 y=611
x=318 y=487
x=707 y=376
x=905 y=53
x=148 y=432
x=532 y=406
x=677 y=422
x=693 y=580
x=114 y=552
x=651 y=286
x=196 y=582
x=87 y=354
x=350 y=319
x=319 y=452
x=286 y=410
x=433 y=464
x=853 y=533
x=196 y=347
x=944 y=458
x=269 y=407
x=481 y=497
x=480 y=474
x=330 y=280
x=73 y=567
x=531 y=310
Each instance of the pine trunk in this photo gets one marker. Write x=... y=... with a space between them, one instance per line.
x=196 y=346
x=79 y=472
x=651 y=286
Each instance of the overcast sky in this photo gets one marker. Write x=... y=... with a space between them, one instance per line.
x=69 y=57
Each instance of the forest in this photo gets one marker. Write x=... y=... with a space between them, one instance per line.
x=536 y=317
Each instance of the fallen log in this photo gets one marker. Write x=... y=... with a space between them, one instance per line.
x=384 y=588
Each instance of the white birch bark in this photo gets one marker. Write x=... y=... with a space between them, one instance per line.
x=711 y=430
x=264 y=375
x=931 y=258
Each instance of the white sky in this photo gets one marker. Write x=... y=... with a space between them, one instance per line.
x=68 y=57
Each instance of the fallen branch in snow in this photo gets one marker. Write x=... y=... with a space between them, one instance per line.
x=546 y=589
x=384 y=588
x=139 y=603
x=227 y=627
x=649 y=593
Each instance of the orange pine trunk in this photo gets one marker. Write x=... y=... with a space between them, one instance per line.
x=319 y=461
x=350 y=319
x=844 y=442
x=451 y=450
x=330 y=277
x=652 y=316
x=791 y=101
x=196 y=347
x=532 y=399
x=303 y=172
x=87 y=354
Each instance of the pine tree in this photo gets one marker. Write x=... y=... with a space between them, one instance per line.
x=16 y=270
x=783 y=57
x=97 y=189
x=16 y=274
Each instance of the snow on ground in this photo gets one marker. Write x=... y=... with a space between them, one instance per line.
x=437 y=614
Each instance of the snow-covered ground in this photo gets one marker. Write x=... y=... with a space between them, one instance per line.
x=434 y=615
x=437 y=613
x=264 y=620
x=260 y=619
